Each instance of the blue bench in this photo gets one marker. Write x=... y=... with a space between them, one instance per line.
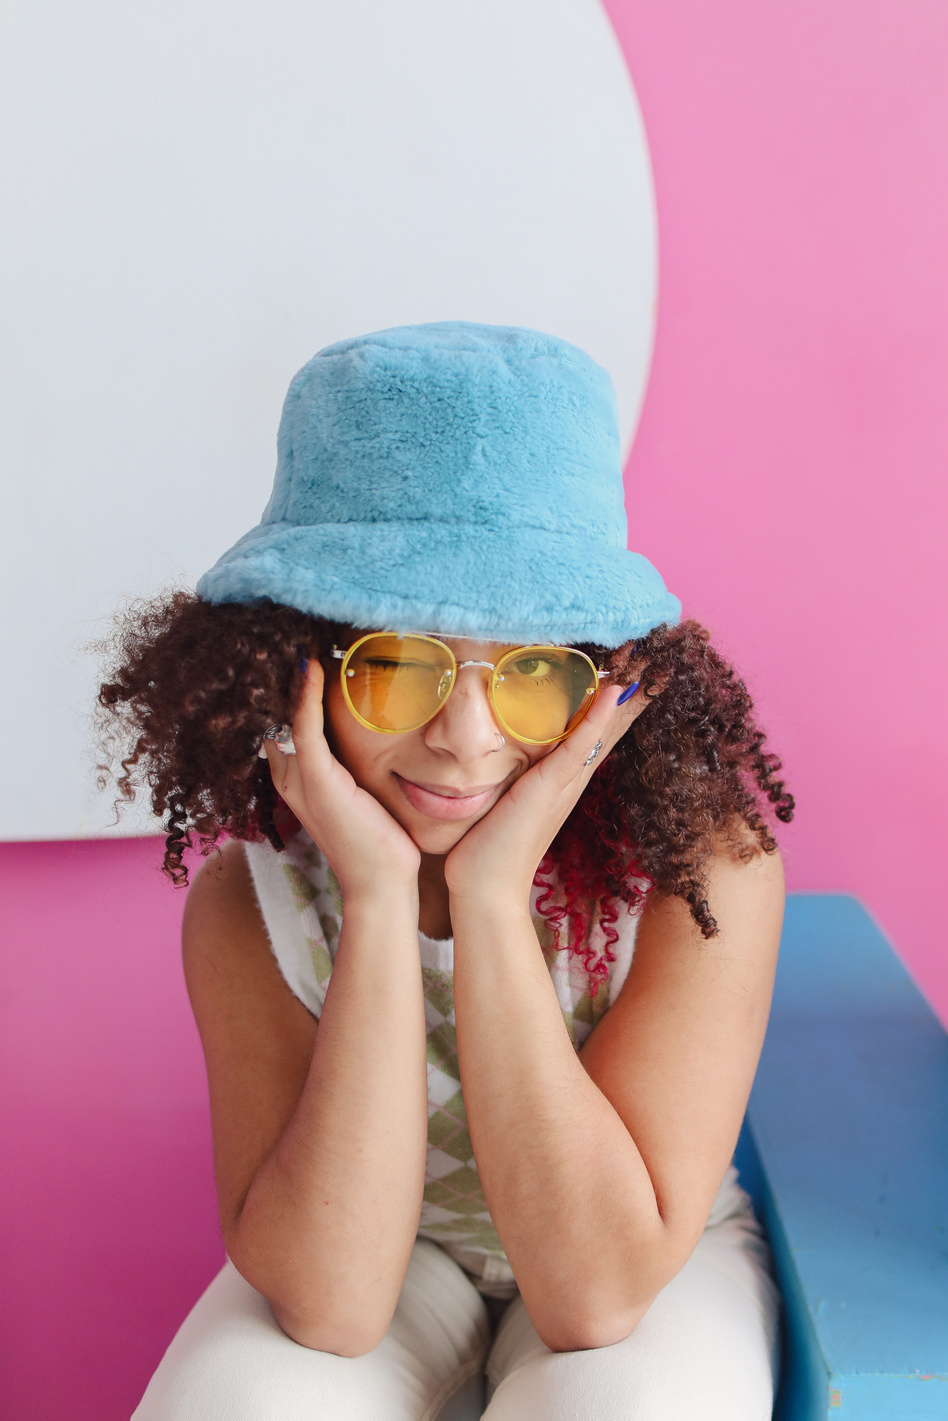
x=845 y=1149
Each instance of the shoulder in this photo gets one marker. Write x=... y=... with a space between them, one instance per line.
x=745 y=879
x=228 y=961
x=745 y=892
x=221 y=906
x=744 y=884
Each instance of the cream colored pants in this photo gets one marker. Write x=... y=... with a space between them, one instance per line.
x=705 y=1351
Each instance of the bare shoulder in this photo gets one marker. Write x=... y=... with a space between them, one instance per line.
x=258 y=1038
x=745 y=894
x=228 y=962
x=221 y=915
x=738 y=855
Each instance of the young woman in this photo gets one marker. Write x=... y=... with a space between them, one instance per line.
x=466 y=761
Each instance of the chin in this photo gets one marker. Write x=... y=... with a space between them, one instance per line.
x=438 y=838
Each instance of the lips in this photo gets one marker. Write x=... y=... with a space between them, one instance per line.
x=444 y=801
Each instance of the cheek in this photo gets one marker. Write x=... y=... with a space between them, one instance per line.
x=364 y=753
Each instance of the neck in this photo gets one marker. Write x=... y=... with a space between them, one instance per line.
x=434 y=916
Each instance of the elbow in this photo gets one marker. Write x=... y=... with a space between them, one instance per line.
x=594 y=1316
x=327 y=1319
x=584 y=1331
x=340 y=1336
x=607 y=1307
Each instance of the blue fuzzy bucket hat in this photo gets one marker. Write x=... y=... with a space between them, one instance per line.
x=452 y=478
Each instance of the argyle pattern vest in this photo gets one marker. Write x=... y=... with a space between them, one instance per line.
x=301 y=903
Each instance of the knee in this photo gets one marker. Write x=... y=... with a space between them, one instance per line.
x=214 y=1365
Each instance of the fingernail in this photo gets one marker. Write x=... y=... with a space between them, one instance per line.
x=304 y=664
x=628 y=693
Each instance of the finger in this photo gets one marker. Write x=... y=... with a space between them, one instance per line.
x=592 y=739
x=308 y=722
x=604 y=727
x=577 y=758
x=282 y=761
x=288 y=780
x=627 y=701
x=280 y=768
x=608 y=720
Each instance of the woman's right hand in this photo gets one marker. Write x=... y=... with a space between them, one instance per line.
x=366 y=848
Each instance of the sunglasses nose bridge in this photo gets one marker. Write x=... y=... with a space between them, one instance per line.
x=465 y=722
x=488 y=665
x=460 y=666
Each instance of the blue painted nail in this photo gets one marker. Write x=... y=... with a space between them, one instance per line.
x=628 y=693
x=304 y=664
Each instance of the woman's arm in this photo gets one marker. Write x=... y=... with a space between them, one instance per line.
x=319 y=1135
x=600 y=1170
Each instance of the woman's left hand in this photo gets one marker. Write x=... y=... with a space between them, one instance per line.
x=500 y=854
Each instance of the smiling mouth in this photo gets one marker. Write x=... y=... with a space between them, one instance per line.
x=444 y=801
x=446 y=792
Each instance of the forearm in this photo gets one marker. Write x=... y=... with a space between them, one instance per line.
x=327 y=1225
x=567 y=1187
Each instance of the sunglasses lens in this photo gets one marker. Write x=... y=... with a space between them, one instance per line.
x=542 y=693
x=396 y=683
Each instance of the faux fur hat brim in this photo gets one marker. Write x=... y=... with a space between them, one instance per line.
x=463 y=581
x=451 y=477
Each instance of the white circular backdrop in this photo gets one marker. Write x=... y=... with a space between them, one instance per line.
x=203 y=194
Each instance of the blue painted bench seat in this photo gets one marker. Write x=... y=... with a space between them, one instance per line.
x=845 y=1149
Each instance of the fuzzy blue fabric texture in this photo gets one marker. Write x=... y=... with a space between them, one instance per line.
x=454 y=478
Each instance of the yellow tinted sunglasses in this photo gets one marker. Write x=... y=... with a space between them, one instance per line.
x=538 y=694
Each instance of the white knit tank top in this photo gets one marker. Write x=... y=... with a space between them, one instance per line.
x=301 y=903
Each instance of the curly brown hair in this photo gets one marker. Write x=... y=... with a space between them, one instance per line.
x=193 y=685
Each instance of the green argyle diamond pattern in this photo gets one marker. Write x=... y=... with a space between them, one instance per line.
x=454 y=1209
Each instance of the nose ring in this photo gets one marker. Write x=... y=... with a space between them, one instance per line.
x=499 y=747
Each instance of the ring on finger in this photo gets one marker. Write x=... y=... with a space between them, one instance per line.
x=594 y=753
x=282 y=737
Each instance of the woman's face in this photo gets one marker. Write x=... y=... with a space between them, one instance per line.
x=438 y=780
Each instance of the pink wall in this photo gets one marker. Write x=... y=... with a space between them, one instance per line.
x=789 y=477
x=108 y=1217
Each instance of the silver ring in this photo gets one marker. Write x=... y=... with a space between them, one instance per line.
x=282 y=736
x=594 y=753
x=497 y=748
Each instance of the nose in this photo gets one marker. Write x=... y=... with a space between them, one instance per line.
x=465 y=726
